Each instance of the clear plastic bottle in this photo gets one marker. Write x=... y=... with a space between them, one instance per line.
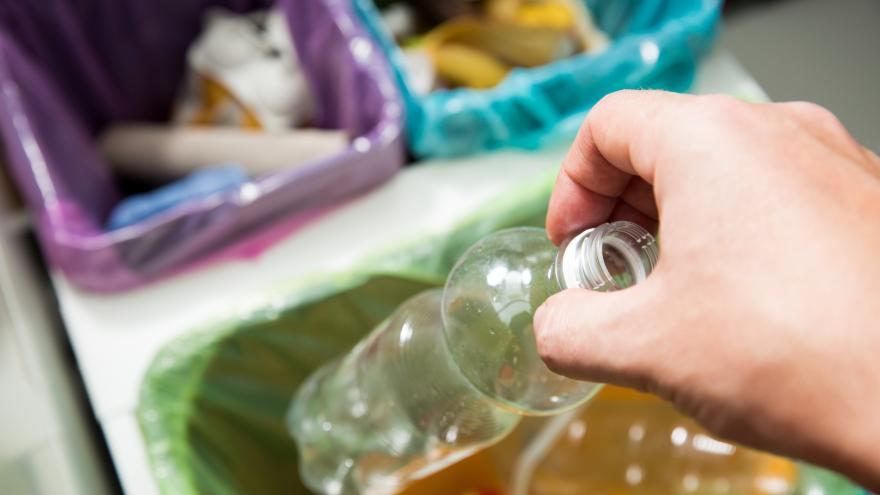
x=452 y=371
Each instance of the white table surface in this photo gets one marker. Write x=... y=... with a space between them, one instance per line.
x=116 y=336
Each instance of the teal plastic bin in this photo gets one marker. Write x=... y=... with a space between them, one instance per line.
x=654 y=44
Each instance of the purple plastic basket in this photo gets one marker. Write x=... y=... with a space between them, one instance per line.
x=69 y=67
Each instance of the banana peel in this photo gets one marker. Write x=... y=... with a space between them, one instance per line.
x=462 y=65
x=571 y=15
x=549 y=14
x=479 y=52
x=512 y=44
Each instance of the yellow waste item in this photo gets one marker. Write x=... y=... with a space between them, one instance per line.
x=461 y=65
x=512 y=44
x=479 y=52
x=216 y=103
x=549 y=14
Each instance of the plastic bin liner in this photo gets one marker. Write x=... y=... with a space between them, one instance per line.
x=69 y=67
x=655 y=44
x=212 y=404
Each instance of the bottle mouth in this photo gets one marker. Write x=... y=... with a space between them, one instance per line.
x=610 y=257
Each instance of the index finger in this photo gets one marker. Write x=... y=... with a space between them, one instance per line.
x=615 y=143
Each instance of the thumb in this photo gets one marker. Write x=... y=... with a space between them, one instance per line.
x=608 y=337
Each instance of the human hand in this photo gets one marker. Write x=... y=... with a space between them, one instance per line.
x=762 y=317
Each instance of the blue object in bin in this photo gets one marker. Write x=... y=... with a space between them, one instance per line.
x=654 y=44
x=196 y=185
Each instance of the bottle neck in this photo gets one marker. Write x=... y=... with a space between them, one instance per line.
x=609 y=257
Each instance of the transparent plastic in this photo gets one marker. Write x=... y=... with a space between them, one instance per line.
x=492 y=294
x=395 y=408
x=452 y=371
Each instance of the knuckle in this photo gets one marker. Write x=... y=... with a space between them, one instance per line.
x=618 y=95
x=812 y=111
x=608 y=103
x=548 y=353
x=810 y=115
x=553 y=364
x=544 y=339
x=612 y=101
x=547 y=336
x=723 y=102
x=717 y=116
x=817 y=115
x=723 y=108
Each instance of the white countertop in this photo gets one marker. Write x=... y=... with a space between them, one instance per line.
x=116 y=336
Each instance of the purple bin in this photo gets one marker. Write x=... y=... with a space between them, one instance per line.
x=69 y=67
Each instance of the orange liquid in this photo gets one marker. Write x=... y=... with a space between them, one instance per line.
x=476 y=475
x=631 y=443
x=624 y=442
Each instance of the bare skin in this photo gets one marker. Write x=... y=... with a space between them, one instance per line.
x=762 y=318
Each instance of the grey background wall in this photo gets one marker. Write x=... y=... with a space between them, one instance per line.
x=826 y=51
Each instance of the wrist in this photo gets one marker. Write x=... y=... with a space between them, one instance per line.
x=854 y=445
x=862 y=454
